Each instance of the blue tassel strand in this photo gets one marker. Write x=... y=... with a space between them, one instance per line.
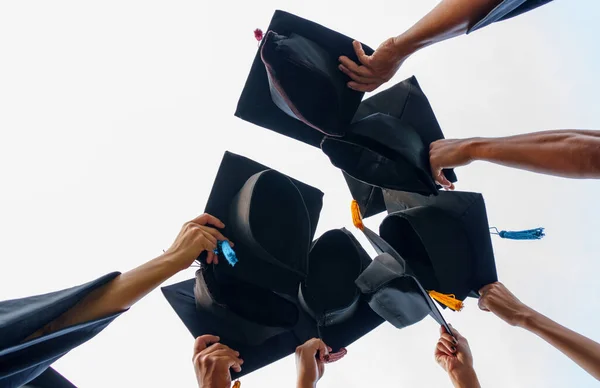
x=531 y=234
x=224 y=249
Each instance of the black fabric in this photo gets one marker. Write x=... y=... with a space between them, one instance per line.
x=50 y=379
x=378 y=150
x=406 y=102
x=199 y=322
x=215 y=314
x=369 y=198
x=426 y=237
x=394 y=294
x=329 y=294
x=21 y=362
x=506 y=10
x=256 y=104
x=269 y=219
x=248 y=314
x=469 y=211
x=306 y=84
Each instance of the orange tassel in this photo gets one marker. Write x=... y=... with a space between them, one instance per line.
x=237 y=384
x=356 y=217
x=448 y=300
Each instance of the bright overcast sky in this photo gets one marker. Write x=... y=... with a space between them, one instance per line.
x=114 y=116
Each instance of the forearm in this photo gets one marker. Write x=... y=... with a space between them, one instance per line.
x=582 y=350
x=118 y=295
x=464 y=379
x=305 y=383
x=448 y=19
x=568 y=153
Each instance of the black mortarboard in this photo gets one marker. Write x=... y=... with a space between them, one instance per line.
x=343 y=316
x=50 y=379
x=21 y=362
x=329 y=294
x=507 y=9
x=395 y=154
x=297 y=81
x=270 y=217
x=446 y=238
x=390 y=285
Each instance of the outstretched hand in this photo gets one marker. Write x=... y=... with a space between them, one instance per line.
x=372 y=70
x=212 y=362
x=196 y=236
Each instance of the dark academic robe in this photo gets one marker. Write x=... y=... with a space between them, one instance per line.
x=22 y=362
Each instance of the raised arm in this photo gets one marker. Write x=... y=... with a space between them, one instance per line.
x=582 y=350
x=566 y=153
x=126 y=289
x=448 y=19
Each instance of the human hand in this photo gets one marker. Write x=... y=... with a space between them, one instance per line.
x=374 y=70
x=499 y=300
x=195 y=237
x=310 y=367
x=212 y=362
x=454 y=356
x=448 y=153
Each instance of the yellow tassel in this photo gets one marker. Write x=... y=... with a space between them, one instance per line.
x=237 y=384
x=448 y=300
x=356 y=217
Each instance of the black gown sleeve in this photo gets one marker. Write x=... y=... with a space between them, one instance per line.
x=21 y=362
x=507 y=9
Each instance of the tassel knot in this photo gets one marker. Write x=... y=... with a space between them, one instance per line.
x=237 y=384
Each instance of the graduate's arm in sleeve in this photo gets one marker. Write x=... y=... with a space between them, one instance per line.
x=126 y=289
x=566 y=153
x=582 y=350
x=450 y=18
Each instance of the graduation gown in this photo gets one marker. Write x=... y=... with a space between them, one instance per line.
x=21 y=362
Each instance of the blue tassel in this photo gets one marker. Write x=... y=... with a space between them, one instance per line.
x=531 y=234
x=224 y=249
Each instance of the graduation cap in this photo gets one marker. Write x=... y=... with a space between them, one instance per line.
x=270 y=217
x=390 y=285
x=22 y=361
x=329 y=293
x=295 y=87
x=265 y=326
x=387 y=146
x=446 y=238
x=507 y=9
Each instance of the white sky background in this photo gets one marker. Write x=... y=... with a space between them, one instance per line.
x=114 y=116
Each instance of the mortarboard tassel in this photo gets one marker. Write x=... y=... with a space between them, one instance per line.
x=531 y=234
x=356 y=217
x=237 y=384
x=224 y=249
x=258 y=35
x=448 y=300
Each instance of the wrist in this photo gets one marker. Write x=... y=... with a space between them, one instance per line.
x=475 y=148
x=527 y=319
x=404 y=47
x=464 y=378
